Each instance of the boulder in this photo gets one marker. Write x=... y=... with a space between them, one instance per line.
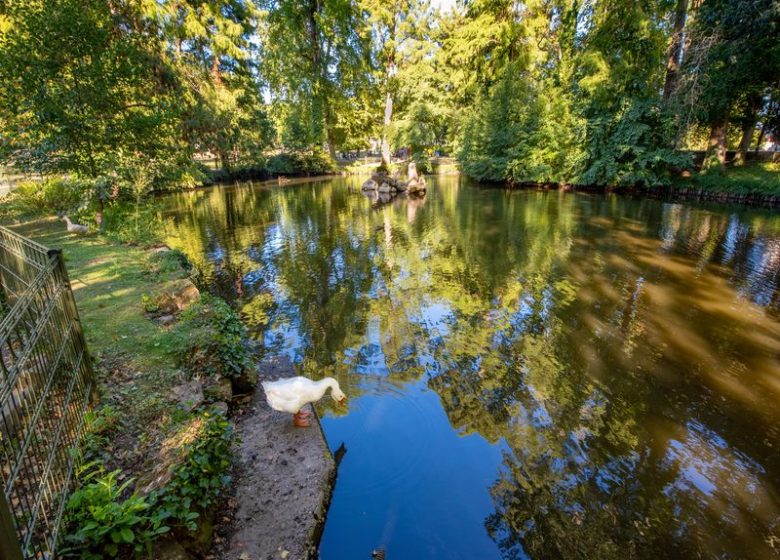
x=219 y=390
x=180 y=297
x=417 y=186
x=401 y=186
x=370 y=185
x=188 y=395
x=220 y=408
x=385 y=188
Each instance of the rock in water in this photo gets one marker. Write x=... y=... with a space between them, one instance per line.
x=417 y=186
x=384 y=188
x=370 y=185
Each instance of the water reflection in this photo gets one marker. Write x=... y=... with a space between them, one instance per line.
x=607 y=367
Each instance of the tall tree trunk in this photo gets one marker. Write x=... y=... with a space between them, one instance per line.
x=330 y=135
x=770 y=111
x=386 y=131
x=224 y=159
x=716 y=148
x=748 y=127
x=675 y=48
x=760 y=139
x=321 y=102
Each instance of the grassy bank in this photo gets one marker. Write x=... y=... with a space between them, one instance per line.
x=758 y=179
x=754 y=179
x=158 y=443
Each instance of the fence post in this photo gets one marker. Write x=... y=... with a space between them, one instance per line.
x=9 y=540
x=73 y=312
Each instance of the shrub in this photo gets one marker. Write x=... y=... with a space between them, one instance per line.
x=208 y=340
x=51 y=196
x=103 y=524
x=314 y=162
x=134 y=223
x=630 y=147
x=199 y=480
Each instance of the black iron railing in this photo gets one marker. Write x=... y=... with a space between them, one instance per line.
x=45 y=387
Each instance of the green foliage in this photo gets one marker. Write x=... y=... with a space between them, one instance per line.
x=135 y=223
x=101 y=423
x=308 y=162
x=208 y=340
x=105 y=519
x=521 y=134
x=50 y=196
x=104 y=522
x=631 y=147
x=121 y=96
x=203 y=475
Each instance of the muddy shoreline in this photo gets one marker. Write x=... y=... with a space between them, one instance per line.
x=285 y=480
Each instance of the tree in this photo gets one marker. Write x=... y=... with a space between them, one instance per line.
x=87 y=88
x=675 y=48
x=393 y=24
x=322 y=68
x=737 y=59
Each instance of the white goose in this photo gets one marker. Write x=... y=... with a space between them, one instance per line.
x=74 y=228
x=293 y=393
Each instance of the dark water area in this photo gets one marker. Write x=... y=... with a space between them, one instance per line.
x=530 y=374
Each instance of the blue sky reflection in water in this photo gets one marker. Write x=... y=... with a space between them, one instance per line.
x=531 y=374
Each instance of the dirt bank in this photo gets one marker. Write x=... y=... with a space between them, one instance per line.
x=285 y=480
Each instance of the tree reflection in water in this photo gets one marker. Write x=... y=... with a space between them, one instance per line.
x=623 y=352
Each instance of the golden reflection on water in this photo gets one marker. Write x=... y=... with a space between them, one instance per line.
x=625 y=352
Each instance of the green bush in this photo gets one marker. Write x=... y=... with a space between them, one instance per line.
x=102 y=523
x=313 y=162
x=133 y=223
x=199 y=480
x=208 y=340
x=50 y=196
x=630 y=147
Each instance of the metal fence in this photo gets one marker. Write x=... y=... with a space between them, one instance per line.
x=45 y=387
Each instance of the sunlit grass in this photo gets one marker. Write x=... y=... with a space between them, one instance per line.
x=108 y=283
x=752 y=179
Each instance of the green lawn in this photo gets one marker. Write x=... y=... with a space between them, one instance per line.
x=751 y=179
x=134 y=361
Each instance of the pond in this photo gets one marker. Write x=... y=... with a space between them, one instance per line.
x=530 y=374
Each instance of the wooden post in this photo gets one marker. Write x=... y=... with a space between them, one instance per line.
x=9 y=540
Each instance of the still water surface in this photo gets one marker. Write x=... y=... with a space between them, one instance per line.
x=531 y=374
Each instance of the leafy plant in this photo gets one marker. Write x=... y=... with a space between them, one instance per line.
x=136 y=223
x=104 y=524
x=100 y=424
x=208 y=339
x=199 y=480
x=149 y=303
x=302 y=162
x=51 y=196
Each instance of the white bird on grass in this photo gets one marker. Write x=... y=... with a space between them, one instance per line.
x=75 y=228
x=292 y=394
